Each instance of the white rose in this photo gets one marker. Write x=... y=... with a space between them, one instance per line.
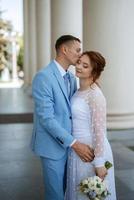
x=84 y=182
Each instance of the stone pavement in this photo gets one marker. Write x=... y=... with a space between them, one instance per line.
x=122 y=143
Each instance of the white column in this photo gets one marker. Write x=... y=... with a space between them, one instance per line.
x=43 y=36
x=30 y=56
x=14 y=60
x=32 y=39
x=66 y=19
x=26 y=41
x=109 y=29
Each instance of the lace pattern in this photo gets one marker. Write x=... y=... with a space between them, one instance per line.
x=97 y=106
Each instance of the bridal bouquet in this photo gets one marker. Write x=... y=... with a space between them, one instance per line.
x=94 y=188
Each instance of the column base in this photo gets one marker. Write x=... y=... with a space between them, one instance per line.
x=120 y=121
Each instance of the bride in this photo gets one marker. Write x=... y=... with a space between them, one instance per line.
x=89 y=126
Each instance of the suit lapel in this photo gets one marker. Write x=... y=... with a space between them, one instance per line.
x=60 y=81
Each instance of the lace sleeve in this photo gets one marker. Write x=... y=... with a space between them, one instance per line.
x=98 y=124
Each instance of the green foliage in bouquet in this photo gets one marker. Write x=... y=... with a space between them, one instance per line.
x=108 y=165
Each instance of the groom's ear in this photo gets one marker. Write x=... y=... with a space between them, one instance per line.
x=64 y=49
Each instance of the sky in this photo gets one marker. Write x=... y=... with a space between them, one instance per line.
x=14 y=12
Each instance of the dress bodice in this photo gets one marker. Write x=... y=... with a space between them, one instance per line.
x=80 y=116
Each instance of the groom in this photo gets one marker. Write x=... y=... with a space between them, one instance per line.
x=53 y=86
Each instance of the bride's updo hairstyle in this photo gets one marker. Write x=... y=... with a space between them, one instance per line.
x=97 y=62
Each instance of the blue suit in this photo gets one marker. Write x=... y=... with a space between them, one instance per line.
x=52 y=126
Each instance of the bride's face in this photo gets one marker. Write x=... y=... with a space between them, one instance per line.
x=83 y=67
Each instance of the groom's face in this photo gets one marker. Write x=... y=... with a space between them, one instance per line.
x=73 y=52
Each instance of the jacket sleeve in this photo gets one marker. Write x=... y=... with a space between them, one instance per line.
x=44 y=103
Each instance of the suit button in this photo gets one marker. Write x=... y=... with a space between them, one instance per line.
x=70 y=117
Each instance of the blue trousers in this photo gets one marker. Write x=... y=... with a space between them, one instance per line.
x=54 y=175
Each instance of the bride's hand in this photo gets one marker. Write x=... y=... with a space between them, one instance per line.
x=101 y=172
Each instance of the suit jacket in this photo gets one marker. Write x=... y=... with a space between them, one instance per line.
x=52 y=113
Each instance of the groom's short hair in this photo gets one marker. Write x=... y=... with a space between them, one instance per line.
x=64 y=39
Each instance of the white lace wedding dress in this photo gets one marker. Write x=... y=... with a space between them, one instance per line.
x=89 y=126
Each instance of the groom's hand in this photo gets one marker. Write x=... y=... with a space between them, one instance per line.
x=84 y=151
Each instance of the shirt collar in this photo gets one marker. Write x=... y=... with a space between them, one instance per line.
x=60 y=68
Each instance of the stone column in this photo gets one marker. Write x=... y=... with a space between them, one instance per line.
x=109 y=29
x=66 y=19
x=32 y=31
x=37 y=36
x=14 y=60
x=30 y=49
x=43 y=30
x=26 y=41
